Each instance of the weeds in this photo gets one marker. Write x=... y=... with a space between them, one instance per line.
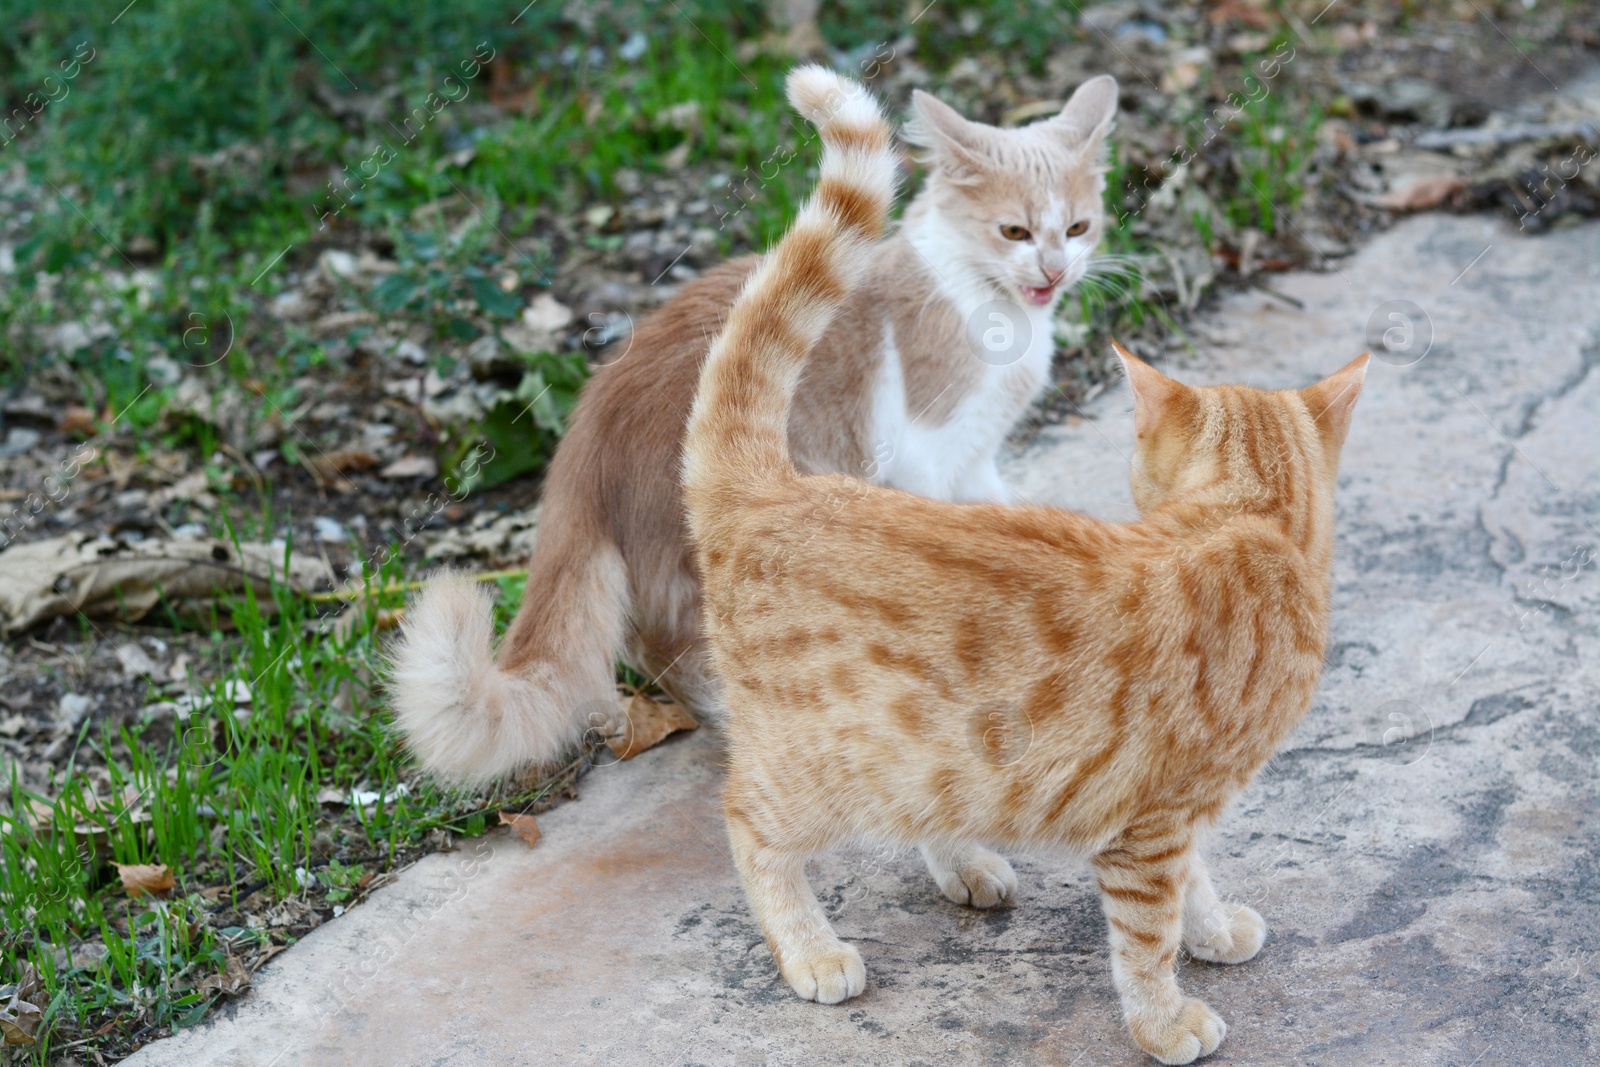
x=1273 y=146
x=277 y=798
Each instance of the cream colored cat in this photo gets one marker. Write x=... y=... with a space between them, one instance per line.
x=923 y=372
x=961 y=677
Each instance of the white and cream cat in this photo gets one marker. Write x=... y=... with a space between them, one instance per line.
x=926 y=368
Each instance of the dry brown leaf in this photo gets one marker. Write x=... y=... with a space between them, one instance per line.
x=266 y=954
x=410 y=466
x=525 y=826
x=88 y=955
x=141 y=878
x=78 y=419
x=330 y=466
x=29 y=984
x=19 y=1021
x=19 y=1016
x=234 y=979
x=1236 y=11
x=100 y=576
x=1422 y=194
x=646 y=723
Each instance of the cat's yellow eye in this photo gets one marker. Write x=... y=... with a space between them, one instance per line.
x=1015 y=233
x=1077 y=229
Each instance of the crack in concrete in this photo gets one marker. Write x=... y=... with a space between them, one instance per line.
x=1588 y=359
x=1369 y=750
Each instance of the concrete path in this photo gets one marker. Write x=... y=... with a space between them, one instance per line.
x=1426 y=852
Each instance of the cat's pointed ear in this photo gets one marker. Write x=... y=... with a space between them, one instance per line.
x=951 y=142
x=1332 y=401
x=1088 y=116
x=1152 y=390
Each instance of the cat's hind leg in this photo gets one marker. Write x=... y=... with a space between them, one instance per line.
x=1142 y=881
x=812 y=959
x=1213 y=929
x=970 y=874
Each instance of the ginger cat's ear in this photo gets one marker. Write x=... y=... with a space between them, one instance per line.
x=1332 y=401
x=1152 y=390
x=951 y=142
x=1088 y=115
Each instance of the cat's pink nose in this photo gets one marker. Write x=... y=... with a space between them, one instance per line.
x=1052 y=279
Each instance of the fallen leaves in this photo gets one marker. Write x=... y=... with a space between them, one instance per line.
x=646 y=722
x=526 y=826
x=233 y=980
x=79 y=419
x=496 y=538
x=88 y=956
x=1422 y=194
x=103 y=576
x=136 y=662
x=19 y=1016
x=141 y=878
x=411 y=466
x=1237 y=11
x=329 y=468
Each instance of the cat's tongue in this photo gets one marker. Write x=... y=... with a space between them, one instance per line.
x=1033 y=294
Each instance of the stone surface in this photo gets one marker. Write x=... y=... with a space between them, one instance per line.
x=1426 y=851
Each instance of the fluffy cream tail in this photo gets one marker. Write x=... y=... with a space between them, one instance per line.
x=737 y=437
x=470 y=719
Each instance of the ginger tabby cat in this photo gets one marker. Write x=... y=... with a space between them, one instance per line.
x=869 y=640
x=915 y=385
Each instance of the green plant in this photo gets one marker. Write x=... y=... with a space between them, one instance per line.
x=451 y=280
x=234 y=800
x=522 y=431
x=1272 y=144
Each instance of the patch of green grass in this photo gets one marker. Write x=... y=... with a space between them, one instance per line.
x=234 y=800
x=1271 y=141
x=1028 y=31
x=187 y=103
x=265 y=122
x=1111 y=295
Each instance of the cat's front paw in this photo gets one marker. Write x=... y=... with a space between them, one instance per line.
x=1182 y=1037
x=828 y=975
x=1232 y=936
x=983 y=881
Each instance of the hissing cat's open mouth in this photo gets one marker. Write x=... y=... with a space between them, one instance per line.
x=1038 y=294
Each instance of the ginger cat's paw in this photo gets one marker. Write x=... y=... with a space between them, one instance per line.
x=1194 y=1031
x=982 y=879
x=828 y=975
x=1231 y=937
